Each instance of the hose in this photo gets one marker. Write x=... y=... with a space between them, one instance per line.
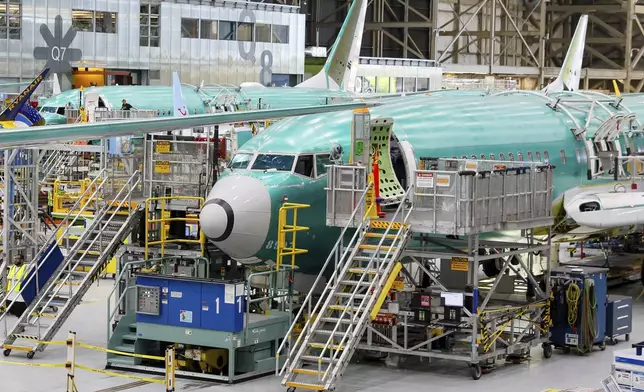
x=572 y=298
x=589 y=317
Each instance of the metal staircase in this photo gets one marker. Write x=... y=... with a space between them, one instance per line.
x=114 y=219
x=56 y=163
x=364 y=271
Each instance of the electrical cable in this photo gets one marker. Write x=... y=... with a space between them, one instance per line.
x=589 y=317
x=573 y=293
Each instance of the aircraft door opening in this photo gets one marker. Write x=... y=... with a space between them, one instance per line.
x=391 y=189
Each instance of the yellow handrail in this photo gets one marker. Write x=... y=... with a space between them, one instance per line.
x=163 y=220
x=284 y=228
x=61 y=196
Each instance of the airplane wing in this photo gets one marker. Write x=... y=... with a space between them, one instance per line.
x=21 y=137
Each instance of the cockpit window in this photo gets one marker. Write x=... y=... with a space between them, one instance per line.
x=321 y=161
x=240 y=161
x=304 y=165
x=61 y=111
x=273 y=161
x=48 y=109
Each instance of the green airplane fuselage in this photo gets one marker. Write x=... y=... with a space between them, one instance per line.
x=518 y=126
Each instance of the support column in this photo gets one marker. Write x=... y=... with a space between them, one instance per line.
x=628 y=36
x=542 y=42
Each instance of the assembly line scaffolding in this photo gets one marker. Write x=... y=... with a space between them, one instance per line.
x=441 y=229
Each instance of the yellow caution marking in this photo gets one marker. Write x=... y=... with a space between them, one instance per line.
x=374 y=247
x=375 y=224
x=306 y=371
x=35 y=364
x=107 y=350
x=311 y=387
x=371 y=271
x=385 y=290
x=322 y=345
x=378 y=235
x=113 y=374
x=337 y=307
x=17 y=348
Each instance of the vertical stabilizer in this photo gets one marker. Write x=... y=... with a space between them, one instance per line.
x=55 y=87
x=13 y=110
x=180 y=108
x=337 y=70
x=570 y=73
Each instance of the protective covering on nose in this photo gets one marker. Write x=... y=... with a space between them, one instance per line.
x=237 y=215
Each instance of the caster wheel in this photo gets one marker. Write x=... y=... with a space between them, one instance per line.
x=614 y=341
x=30 y=355
x=290 y=389
x=547 y=350
x=55 y=309
x=6 y=352
x=476 y=371
x=602 y=346
x=627 y=337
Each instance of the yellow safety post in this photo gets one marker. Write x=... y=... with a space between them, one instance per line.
x=163 y=220
x=71 y=362
x=169 y=369
x=284 y=228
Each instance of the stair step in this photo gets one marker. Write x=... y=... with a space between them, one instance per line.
x=328 y=333
x=341 y=307
x=309 y=372
x=348 y=295
x=354 y=283
x=370 y=271
x=126 y=348
x=121 y=360
x=315 y=359
x=380 y=235
x=334 y=347
x=334 y=320
x=375 y=224
x=130 y=337
x=311 y=387
x=383 y=248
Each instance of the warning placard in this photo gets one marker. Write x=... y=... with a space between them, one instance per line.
x=442 y=180
x=459 y=264
x=424 y=180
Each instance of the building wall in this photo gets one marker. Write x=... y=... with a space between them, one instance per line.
x=197 y=60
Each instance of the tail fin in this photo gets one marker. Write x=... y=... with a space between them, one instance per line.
x=336 y=71
x=55 y=90
x=570 y=72
x=13 y=110
x=180 y=108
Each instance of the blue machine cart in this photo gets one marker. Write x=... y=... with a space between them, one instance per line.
x=579 y=308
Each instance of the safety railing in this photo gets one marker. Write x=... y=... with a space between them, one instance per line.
x=338 y=254
x=111 y=115
x=40 y=257
x=345 y=185
x=62 y=196
x=63 y=275
x=467 y=196
x=383 y=267
x=163 y=220
x=284 y=228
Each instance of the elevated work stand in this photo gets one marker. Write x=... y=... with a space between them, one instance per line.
x=410 y=280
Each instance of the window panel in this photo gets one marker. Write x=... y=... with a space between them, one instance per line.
x=245 y=32
x=273 y=162
x=280 y=34
x=189 y=28
x=10 y=20
x=209 y=29
x=105 y=22
x=227 y=30
x=262 y=32
x=304 y=165
x=83 y=20
x=320 y=163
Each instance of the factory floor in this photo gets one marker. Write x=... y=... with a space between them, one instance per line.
x=88 y=321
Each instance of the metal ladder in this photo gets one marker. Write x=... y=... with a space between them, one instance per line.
x=56 y=163
x=364 y=271
x=93 y=249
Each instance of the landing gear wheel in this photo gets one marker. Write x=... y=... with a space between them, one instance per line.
x=547 y=350
x=290 y=389
x=627 y=337
x=7 y=352
x=476 y=371
x=602 y=346
x=30 y=355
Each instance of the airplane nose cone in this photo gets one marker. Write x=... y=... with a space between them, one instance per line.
x=237 y=215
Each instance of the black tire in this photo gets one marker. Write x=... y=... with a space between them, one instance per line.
x=7 y=352
x=30 y=355
x=627 y=337
x=547 y=350
x=602 y=346
x=290 y=389
x=490 y=269
x=476 y=371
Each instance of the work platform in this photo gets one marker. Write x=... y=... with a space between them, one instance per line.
x=407 y=283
